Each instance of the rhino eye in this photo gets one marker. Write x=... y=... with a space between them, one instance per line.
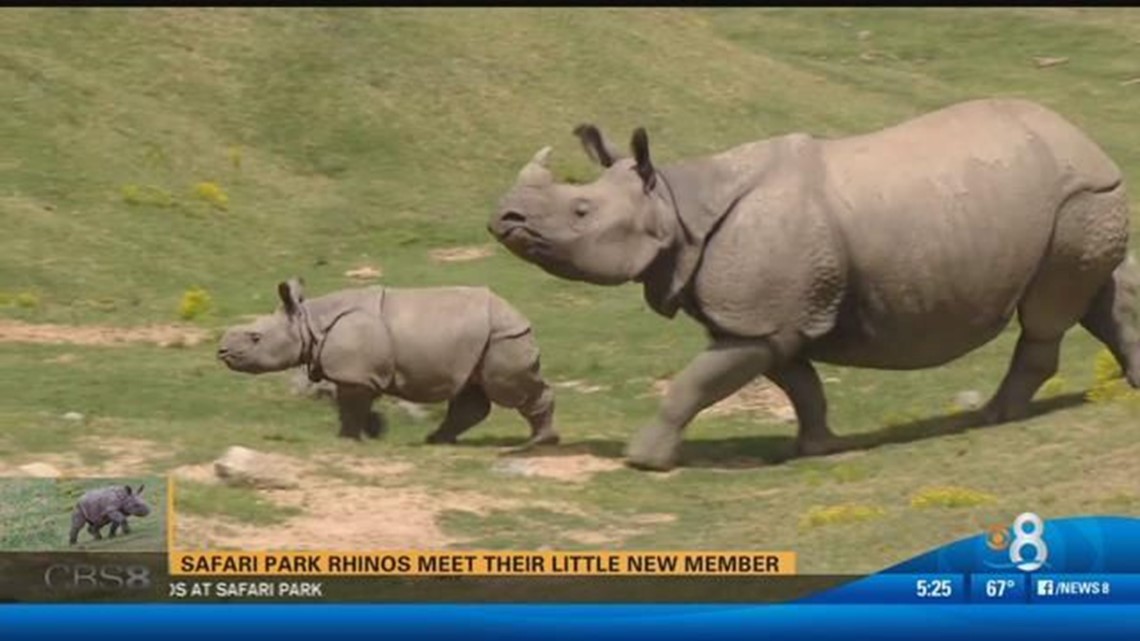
x=581 y=208
x=254 y=337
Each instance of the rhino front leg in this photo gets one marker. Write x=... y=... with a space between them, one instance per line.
x=377 y=425
x=722 y=369
x=354 y=409
x=800 y=381
x=118 y=520
x=465 y=411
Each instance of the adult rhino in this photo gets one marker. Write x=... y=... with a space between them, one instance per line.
x=900 y=249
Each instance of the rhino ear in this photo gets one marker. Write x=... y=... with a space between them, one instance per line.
x=292 y=294
x=128 y=489
x=597 y=147
x=141 y=486
x=644 y=166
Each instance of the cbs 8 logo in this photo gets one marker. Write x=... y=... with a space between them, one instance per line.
x=1027 y=531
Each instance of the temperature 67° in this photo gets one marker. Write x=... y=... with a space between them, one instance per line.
x=996 y=588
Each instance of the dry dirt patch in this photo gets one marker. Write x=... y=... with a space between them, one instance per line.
x=339 y=515
x=119 y=457
x=461 y=254
x=342 y=513
x=575 y=468
x=14 y=331
x=581 y=387
x=759 y=396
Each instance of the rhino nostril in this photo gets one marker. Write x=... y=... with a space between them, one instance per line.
x=513 y=217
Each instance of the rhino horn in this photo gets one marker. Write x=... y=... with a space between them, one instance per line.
x=535 y=171
x=542 y=156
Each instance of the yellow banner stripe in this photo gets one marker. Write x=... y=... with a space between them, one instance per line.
x=483 y=563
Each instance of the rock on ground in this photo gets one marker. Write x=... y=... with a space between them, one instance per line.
x=968 y=400
x=241 y=466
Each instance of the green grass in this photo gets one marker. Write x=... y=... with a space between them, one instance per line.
x=151 y=152
x=36 y=515
x=220 y=500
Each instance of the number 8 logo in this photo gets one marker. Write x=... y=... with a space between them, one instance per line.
x=1027 y=531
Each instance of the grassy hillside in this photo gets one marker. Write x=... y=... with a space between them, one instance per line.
x=147 y=152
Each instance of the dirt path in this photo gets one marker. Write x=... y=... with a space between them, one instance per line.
x=14 y=331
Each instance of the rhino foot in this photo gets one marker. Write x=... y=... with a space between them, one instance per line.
x=538 y=440
x=818 y=446
x=997 y=413
x=437 y=438
x=654 y=448
x=376 y=426
x=1133 y=374
x=545 y=438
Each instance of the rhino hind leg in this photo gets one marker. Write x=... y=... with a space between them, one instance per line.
x=1075 y=283
x=1033 y=363
x=466 y=410
x=1114 y=319
x=800 y=381
x=77 y=522
x=539 y=414
x=715 y=373
x=511 y=373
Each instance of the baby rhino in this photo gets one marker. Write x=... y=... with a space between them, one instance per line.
x=113 y=505
x=464 y=345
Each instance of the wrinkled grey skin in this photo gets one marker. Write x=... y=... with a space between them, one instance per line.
x=463 y=345
x=900 y=249
x=97 y=508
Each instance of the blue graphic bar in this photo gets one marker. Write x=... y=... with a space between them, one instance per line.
x=933 y=589
x=1085 y=588
x=597 y=623
x=898 y=589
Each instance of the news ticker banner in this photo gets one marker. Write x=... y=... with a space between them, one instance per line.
x=1093 y=560
x=483 y=563
x=409 y=577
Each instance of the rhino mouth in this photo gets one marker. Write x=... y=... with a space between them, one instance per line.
x=525 y=242
x=533 y=247
x=234 y=361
